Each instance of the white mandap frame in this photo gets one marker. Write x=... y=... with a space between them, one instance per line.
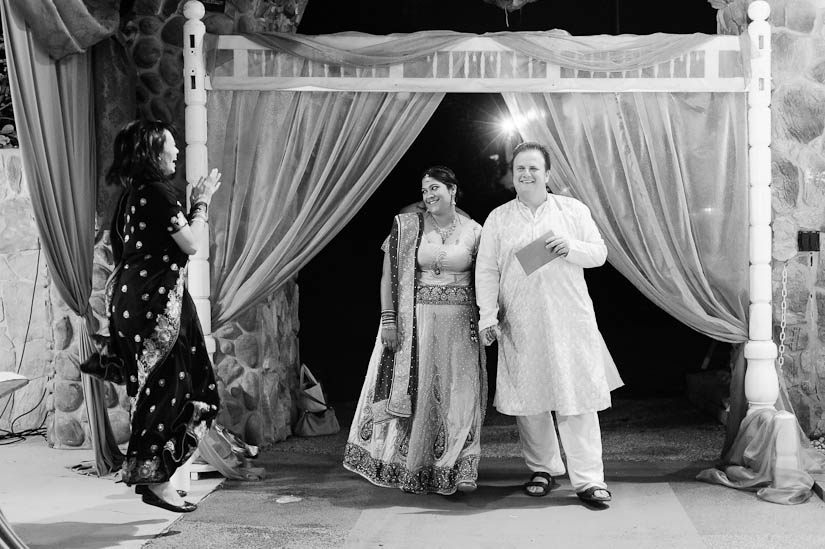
x=485 y=64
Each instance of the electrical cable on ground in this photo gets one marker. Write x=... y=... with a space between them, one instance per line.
x=9 y=436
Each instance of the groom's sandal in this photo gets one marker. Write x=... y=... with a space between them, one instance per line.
x=543 y=487
x=595 y=495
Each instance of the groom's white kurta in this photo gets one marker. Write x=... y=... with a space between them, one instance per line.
x=551 y=355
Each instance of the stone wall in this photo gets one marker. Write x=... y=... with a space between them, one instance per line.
x=69 y=422
x=257 y=367
x=798 y=144
x=26 y=340
x=155 y=33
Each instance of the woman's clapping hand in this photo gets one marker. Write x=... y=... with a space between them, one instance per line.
x=203 y=190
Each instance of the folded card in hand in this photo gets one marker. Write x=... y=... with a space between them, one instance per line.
x=535 y=254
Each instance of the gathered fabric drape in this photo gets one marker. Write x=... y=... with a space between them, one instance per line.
x=672 y=208
x=53 y=106
x=595 y=53
x=296 y=168
x=65 y=27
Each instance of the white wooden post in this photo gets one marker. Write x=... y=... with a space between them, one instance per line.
x=761 y=382
x=197 y=165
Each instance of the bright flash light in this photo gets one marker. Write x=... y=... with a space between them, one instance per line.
x=508 y=126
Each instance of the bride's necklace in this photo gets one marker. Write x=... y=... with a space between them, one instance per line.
x=445 y=232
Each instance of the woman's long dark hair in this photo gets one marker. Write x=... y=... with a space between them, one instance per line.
x=138 y=148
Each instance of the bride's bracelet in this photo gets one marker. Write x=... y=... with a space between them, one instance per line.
x=388 y=317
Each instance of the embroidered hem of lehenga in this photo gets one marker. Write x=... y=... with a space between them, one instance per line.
x=430 y=479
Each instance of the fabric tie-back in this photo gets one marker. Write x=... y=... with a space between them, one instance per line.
x=64 y=27
x=53 y=109
x=296 y=168
x=772 y=457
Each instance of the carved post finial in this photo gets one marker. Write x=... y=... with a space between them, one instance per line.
x=193 y=10
x=759 y=10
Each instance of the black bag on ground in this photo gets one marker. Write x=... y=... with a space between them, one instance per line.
x=103 y=365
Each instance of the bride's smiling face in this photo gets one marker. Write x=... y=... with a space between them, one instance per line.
x=437 y=196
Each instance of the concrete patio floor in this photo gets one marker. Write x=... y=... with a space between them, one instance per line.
x=653 y=451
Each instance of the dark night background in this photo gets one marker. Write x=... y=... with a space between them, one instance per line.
x=339 y=300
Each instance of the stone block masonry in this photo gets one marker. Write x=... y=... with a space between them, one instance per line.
x=26 y=340
x=38 y=332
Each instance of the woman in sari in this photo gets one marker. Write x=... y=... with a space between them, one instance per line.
x=153 y=325
x=419 y=416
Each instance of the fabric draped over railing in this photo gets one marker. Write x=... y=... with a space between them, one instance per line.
x=54 y=112
x=526 y=56
x=595 y=53
x=296 y=168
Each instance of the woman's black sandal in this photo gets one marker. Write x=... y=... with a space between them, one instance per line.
x=545 y=487
x=150 y=498
x=141 y=489
x=589 y=495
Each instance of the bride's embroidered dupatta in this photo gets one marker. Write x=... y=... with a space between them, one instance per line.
x=397 y=380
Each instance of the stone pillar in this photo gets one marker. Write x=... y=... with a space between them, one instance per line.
x=257 y=366
x=761 y=382
x=797 y=191
x=69 y=423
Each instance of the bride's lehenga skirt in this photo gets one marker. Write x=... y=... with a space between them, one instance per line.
x=439 y=446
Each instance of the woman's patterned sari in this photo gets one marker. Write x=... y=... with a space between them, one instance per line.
x=154 y=328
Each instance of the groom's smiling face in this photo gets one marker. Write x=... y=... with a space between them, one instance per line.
x=529 y=171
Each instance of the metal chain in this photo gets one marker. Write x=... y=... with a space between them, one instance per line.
x=783 y=322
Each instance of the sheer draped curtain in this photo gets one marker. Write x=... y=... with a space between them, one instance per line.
x=54 y=111
x=296 y=168
x=665 y=177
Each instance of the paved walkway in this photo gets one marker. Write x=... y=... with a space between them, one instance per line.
x=652 y=451
x=50 y=506
x=657 y=505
